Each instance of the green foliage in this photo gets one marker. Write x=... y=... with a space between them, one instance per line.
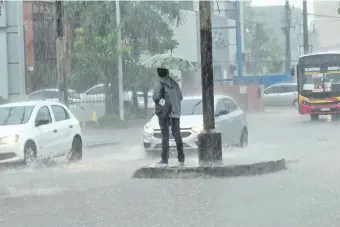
x=146 y=29
x=266 y=54
x=145 y=26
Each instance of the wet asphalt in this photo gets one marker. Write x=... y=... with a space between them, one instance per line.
x=99 y=191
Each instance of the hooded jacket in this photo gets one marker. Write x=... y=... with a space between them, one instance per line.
x=168 y=89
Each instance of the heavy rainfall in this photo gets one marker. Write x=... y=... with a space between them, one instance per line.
x=169 y=113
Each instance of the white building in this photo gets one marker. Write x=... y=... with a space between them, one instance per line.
x=327 y=22
x=224 y=41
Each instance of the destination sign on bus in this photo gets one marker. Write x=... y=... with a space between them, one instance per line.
x=318 y=69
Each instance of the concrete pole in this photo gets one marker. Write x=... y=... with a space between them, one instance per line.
x=238 y=38
x=21 y=50
x=210 y=141
x=305 y=28
x=120 y=64
x=287 y=33
x=60 y=51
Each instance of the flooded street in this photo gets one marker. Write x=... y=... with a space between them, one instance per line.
x=99 y=191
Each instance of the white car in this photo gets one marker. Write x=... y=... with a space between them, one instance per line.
x=37 y=129
x=52 y=95
x=230 y=120
x=96 y=95
x=284 y=94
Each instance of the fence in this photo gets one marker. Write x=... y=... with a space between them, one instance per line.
x=266 y=80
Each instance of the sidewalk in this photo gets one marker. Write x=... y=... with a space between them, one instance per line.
x=106 y=137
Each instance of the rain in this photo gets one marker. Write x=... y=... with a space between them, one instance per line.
x=81 y=132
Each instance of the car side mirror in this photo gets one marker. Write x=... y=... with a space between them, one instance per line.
x=222 y=112
x=40 y=122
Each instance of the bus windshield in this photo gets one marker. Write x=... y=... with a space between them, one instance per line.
x=316 y=81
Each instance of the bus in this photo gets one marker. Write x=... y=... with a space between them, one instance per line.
x=318 y=82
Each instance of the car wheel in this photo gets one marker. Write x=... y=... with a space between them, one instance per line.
x=295 y=103
x=244 y=138
x=314 y=117
x=76 y=153
x=30 y=153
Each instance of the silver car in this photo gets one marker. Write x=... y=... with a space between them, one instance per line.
x=230 y=120
x=284 y=94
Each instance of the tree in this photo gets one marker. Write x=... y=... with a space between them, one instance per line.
x=101 y=52
x=145 y=30
x=266 y=54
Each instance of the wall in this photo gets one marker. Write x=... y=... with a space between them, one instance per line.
x=12 y=60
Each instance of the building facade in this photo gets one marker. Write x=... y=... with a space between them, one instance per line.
x=12 y=58
x=224 y=40
x=327 y=20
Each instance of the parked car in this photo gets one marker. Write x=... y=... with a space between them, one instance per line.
x=230 y=120
x=96 y=94
x=36 y=129
x=52 y=95
x=284 y=94
x=140 y=99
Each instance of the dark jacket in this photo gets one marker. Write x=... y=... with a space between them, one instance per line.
x=168 y=89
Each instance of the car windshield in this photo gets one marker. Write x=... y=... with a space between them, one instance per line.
x=15 y=115
x=192 y=107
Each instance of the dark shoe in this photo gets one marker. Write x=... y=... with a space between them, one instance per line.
x=181 y=160
x=162 y=162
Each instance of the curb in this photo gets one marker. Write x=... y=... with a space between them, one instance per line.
x=94 y=145
x=219 y=171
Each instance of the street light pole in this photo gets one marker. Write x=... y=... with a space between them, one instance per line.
x=120 y=67
x=60 y=52
x=210 y=141
x=305 y=27
x=239 y=39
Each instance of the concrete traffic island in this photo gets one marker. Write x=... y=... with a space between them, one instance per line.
x=232 y=164
x=232 y=167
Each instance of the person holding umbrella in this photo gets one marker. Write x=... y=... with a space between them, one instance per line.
x=167 y=96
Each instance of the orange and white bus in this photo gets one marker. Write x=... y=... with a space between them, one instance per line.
x=318 y=80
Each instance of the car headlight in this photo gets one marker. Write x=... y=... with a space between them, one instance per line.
x=198 y=128
x=9 y=139
x=305 y=103
x=148 y=130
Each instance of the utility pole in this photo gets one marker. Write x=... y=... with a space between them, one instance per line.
x=305 y=28
x=61 y=51
x=210 y=141
x=119 y=63
x=286 y=30
x=239 y=39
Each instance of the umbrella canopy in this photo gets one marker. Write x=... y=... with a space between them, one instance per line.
x=169 y=61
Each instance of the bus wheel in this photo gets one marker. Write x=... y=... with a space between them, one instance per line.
x=314 y=117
